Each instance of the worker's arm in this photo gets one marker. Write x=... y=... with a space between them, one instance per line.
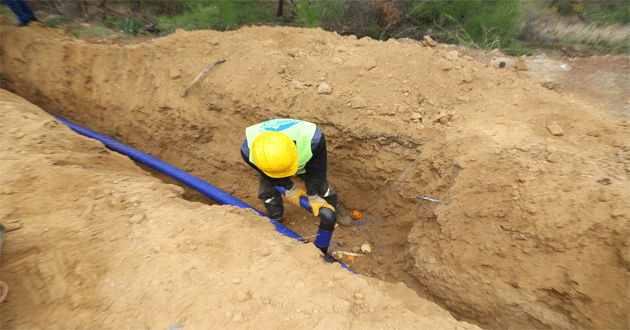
x=315 y=169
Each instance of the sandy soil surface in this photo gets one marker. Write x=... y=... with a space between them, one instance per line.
x=531 y=230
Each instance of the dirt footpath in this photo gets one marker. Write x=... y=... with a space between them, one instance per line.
x=531 y=230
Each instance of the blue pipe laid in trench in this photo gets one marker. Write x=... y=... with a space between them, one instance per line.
x=192 y=181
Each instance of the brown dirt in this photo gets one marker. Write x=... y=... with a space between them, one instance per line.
x=531 y=230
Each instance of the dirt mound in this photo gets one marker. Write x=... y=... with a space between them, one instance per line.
x=106 y=246
x=531 y=229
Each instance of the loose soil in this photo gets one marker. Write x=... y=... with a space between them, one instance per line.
x=531 y=230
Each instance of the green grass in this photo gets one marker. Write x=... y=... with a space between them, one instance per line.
x=6 y=12
x=92 y=32
x=56 y=21
x=218 y=15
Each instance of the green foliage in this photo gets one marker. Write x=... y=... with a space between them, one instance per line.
x=306 y=14
x=55 y=21
x=480 y=23
x=374 y=32
x=130 y=26
x=604 y=13
x=7 y=12
x=92 y=32
x=217 y=15
x=110 y=21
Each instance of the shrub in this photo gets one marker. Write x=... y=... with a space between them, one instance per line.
x=131 y=26
x=306 y=14
x=484 y=23
x=218 y=15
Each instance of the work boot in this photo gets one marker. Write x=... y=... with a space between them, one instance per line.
x=329 y=259
x=344 y=219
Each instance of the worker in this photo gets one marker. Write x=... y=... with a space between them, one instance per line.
x=281 y=148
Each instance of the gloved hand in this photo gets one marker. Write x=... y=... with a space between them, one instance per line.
x=294 y=194
x=317 y=202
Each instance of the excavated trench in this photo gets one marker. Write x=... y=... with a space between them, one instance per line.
x=388 y=213
x=521 y=238
x=388 y=210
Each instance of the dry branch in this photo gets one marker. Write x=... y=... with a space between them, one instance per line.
x=201 y=74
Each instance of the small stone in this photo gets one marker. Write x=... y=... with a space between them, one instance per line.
x=553 y=157
x=358 y=295
x=380 y=260
x=324 y=88
x=356 y=249
x=428 y=41
x=369 y=65
x=242 y=296
x=555 y=129
x=452 y=55
x=547 y=83
x=157 y=249
x=358 y=102
x=520 y=64
x=236 y=280
x=174 y=72
x=503 y=62
x=468 y=77
x=265 y=251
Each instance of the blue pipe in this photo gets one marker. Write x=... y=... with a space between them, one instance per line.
x=194 y=182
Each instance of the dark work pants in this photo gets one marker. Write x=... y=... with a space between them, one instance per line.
x=21 y=10
x=272 y=199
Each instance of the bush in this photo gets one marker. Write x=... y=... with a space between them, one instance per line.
x=484 y=23
x=131 y=26
x=218 y=15
x=600 y=13
x=306 y=15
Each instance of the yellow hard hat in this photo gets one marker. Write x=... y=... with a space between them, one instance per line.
x=275 y=154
